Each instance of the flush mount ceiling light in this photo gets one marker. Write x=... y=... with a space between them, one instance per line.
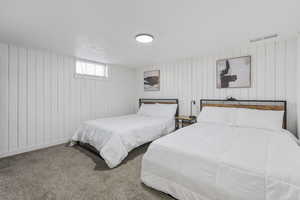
x=144 y=38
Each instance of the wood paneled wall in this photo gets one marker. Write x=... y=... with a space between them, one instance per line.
x=273 y=77
x=42 y=104
x=298 y=83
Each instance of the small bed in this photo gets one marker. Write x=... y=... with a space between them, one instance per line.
x=227 y=155
x=114 y=137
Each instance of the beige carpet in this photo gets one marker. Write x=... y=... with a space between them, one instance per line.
x=64 y=173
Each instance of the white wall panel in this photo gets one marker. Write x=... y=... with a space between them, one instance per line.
x=32 y=97
x=4 y=116
x=291 y=84
x=298 y=82
x=13 y=97
x=272 y=73
x=22 y=98
x=42 y=103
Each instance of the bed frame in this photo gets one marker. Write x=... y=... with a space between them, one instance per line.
x=250 y=104
x=161 y=101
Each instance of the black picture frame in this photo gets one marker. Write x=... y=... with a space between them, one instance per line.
x=241 y=73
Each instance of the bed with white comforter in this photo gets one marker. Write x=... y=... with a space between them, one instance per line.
x=115 y=137
x=217 y=161
x=209 y=161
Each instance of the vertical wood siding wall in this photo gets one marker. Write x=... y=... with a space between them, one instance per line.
x=298 y=83
x=273 y=77
x=42 y=104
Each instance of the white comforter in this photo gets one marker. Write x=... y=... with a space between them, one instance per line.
x=218 y=162
x=114 y=137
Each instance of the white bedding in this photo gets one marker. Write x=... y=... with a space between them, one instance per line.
x=206 y=161
x=114 y=137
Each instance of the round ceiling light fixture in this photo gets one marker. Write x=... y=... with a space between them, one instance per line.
x=144 y=38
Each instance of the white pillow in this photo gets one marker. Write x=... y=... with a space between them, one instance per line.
x=218 y=115
x=158 y=110
x=167 y=110
x=267 y=119
x=147 y=109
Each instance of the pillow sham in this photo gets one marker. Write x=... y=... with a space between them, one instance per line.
x=219 y=115
x=167 y=110
x=147 y=109
x=266 y=119
x=158 y=110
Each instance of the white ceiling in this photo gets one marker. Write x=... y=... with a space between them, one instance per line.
x=104 y=30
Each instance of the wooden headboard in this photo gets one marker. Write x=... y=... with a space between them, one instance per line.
x=162 y=101
x=250 y=104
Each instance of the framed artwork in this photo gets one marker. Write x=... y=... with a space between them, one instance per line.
x=152 y=80
x=234 y=72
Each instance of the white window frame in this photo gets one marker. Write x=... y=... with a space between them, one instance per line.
x=88 y=76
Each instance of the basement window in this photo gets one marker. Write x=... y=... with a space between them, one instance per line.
x=89 y=69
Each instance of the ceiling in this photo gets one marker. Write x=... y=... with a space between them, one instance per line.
x=104 y=30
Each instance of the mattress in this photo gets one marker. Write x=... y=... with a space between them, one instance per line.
x=116 y=136
x=206 y=161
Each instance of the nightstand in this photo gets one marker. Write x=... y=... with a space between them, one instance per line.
x=183 y=121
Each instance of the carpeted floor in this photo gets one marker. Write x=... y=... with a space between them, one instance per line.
x=65 y=173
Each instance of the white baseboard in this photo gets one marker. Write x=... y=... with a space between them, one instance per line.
x=32 y=148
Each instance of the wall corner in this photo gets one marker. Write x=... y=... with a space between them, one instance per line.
x=298 y=83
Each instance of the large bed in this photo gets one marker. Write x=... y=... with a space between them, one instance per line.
x=216 y=160
x=114 y=137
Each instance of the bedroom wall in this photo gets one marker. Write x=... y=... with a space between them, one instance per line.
x=42 y=103
x=273 y=77
x=298 y=83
